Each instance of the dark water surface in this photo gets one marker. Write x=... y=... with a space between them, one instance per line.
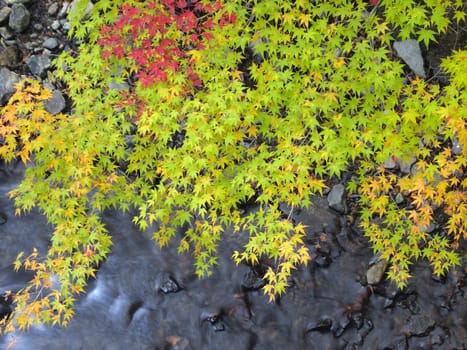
x=145 y=298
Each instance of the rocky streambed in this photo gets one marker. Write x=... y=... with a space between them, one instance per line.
x=145 y=298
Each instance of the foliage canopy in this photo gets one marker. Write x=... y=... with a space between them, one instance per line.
x=185 y=110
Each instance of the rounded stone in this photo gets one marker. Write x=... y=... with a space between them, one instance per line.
x=50 y=43
x=19 y=18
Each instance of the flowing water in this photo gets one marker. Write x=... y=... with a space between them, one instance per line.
x=145 y=298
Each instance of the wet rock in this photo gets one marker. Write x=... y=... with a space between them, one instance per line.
x=50 y=43
x=38 y=65
x=241 y=315
x=9 y=56
x=4 y=14
x=56 y=104
x=437 y=337
x=357 y=319
x=340 y=324
x=3 y=220
x=323 y=325
x=336 y=198
x=166 y=284
x=5 y=305
x=8 y=79
x=409 y=51
x=19 y=18
x=397 y=344
x=323 y=261
x=376 y=271
x=419 y=325
x=252 y=281
x=367 y=327
x=214 y=320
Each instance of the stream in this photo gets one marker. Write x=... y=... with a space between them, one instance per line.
x=147 y=298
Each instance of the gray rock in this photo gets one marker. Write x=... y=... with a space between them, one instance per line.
x=19 y=18
x=406 y=164
x=9 y=56
x=56 y=104
x=3 y=218
x=64 y=10
x=38 y=64
x=409 y=51
x=86 y=12
x=376 y=271
x=119 y=86
x=66 y=26
x=11 y=2
x=456 y=146
x=38 y=27
x=399 y=198
x=419 y=325
x=389 y=163
x=6 y=33
x=4 y=14
x=53 y=9
x=55 y=25
x=336 y=198
x=50 y=43
x=8 y=79
x=430 y=228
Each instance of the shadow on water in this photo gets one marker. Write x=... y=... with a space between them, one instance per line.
x=145 y=298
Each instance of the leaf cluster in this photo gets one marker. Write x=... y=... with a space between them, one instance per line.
x=186 y=111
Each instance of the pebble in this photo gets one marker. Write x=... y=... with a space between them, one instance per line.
x=6 y=33
x=50 y=43
x=64 y=10
x=336 y=199
x=4 y=14
x=53 y=9
x=38 y=27
x=19 y=18
x=55 y=25
x=399 y=198
x=456 y=146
